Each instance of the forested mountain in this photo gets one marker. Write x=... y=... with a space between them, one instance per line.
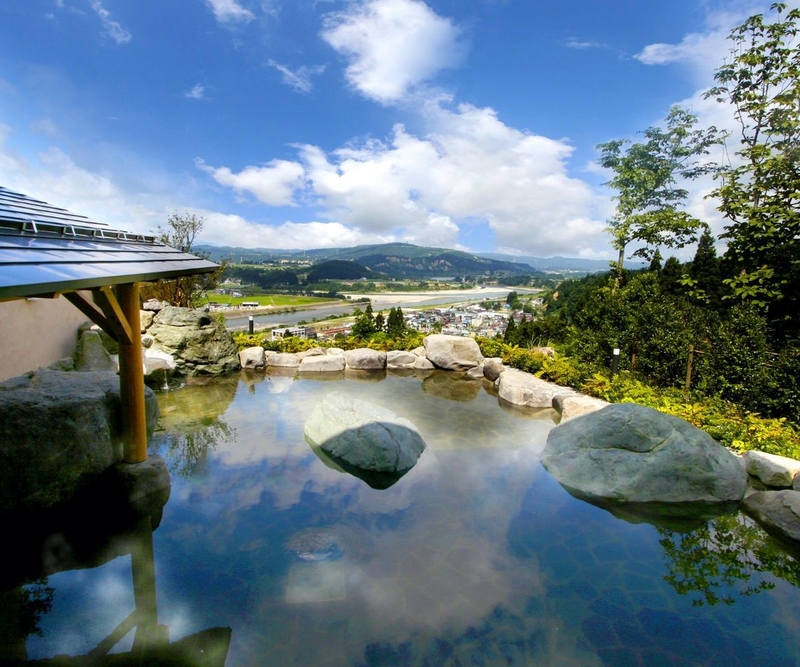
x=396 y=260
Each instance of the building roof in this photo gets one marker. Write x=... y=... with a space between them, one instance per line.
x=46 y=250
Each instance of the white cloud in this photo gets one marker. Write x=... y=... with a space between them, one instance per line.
x=469 y=168
x=299 y=79
x=113 y=29
x=230 y=11
x=198 y=92
x=392 y=46
x=273 y=184
x=581 y=45
x=234 y=230
x=704 y=51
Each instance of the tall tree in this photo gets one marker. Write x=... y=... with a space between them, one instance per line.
x=705 y=279
x=655 y=263
x=395 y=323
x=760 y=193
x=649 y=196
x=180 y=233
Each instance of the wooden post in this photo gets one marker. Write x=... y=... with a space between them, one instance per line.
x=131 y=378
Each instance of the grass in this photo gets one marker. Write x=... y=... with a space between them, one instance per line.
x=276 y=300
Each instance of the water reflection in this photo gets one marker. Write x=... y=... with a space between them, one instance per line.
x=476 y=556
x=99 y=526
x=452 y=386
x=724 y=559
x=190 y=422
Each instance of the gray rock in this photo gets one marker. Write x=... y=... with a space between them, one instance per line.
x=135 y=482
x=146 y=319
x=548 y=352
x=400 y=358
x=199 y=344
x=777 y=511
x=154 y=305
x=59 y=430
x=778 y=471
x=334 y=351
x=476 y=373
x=364 y=435
x=365 y=359
x=493 y=367
x=422 y=364
x=520 y=388
x=629 y=453
x=453 y=353
x=311 y=352
x=575 y=405
x=283 y=359
x=253 y=357
x=91 y=354
x=157 y=365
x=322 y=364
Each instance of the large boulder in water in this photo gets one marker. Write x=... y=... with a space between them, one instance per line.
x=364 y=436
x=629 y=453
x=521 y=388
x=777 y=511
x=199 y=344
x=453 y=353
x=365 y=359
x=59 y=430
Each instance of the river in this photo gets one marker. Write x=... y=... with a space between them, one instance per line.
x=381 y=301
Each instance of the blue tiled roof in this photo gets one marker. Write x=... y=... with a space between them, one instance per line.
x=46 y=250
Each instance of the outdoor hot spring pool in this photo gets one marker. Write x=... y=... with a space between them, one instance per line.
x=475 y=557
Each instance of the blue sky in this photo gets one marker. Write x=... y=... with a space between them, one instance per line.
x=312 y=123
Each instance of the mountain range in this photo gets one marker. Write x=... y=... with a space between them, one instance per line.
x=405 y=260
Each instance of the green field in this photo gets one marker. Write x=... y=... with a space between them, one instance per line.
x=277 y=300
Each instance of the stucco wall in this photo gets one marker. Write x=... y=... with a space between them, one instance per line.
x=36 y=333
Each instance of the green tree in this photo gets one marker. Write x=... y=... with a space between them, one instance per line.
x=671 y=277
x=380 y=321
x=364 y=323
x=396 y=323
x=509 y=336
x=705 y=277
x=760 y=193
x=655 y=263
x=180 y=233
x=646 y=175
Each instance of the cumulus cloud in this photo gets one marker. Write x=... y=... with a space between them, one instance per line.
x=273 y=183
x=704 y=51
x=392 y=46
x=300 y=78
x=470 y=168
x=227 y=11
x=226 y=229
x=112 y=28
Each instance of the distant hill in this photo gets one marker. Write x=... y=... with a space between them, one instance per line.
x=397 y=260
x=562 y=264
x=338 y=269
x=404 y=260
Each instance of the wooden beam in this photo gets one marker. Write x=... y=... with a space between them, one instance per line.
x=91 y=311
x=131 y=376
x=116 y=318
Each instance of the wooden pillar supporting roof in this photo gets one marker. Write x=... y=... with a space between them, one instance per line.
x=118 y=315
